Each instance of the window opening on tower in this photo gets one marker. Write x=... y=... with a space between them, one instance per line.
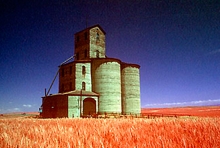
x=97 y=54
x=83 y=86
x=97 y=36
x=83 y=70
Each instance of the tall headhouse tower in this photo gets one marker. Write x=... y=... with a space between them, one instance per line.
x=94 y=83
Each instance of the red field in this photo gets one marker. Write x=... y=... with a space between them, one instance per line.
x=186 y=131
x=207 y=111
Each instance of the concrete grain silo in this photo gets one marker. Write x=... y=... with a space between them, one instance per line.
x=93 y=83
x=107 y=81
x=130 y=89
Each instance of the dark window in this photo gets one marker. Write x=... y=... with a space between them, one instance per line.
x=97 y=54
x=83 y=86
x=83 y=70
x=85 y=35
x=85 y=53
x=70 y=70
x=97 y=36
x=77 y=38
x=63 y=72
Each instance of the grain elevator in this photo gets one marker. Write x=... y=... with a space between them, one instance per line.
x=93 y=83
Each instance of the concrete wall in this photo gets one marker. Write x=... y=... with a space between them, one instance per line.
x=107 y=82
x=88 y=42
x=83 y=76
x=97 y=43
x=130 y=89
x=73 y=106
x=59 y=106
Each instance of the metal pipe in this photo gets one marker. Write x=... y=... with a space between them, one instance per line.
x=46 y=93
x=53 y=81
x=57 y=74
x=66 y=60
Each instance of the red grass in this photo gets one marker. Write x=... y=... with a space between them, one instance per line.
x=111 y=133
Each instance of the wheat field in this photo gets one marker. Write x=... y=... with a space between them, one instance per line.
x=110 y=133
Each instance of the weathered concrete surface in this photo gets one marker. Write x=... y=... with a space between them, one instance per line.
x=93 y=83
x=130 y=90
x=107 y=82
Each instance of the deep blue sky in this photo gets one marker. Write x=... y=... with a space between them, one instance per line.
x=177 y=45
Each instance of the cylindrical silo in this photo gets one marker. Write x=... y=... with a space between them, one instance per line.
x=130 y=89
x=107 y=82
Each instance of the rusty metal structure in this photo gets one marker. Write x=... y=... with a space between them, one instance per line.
x=93 y=83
